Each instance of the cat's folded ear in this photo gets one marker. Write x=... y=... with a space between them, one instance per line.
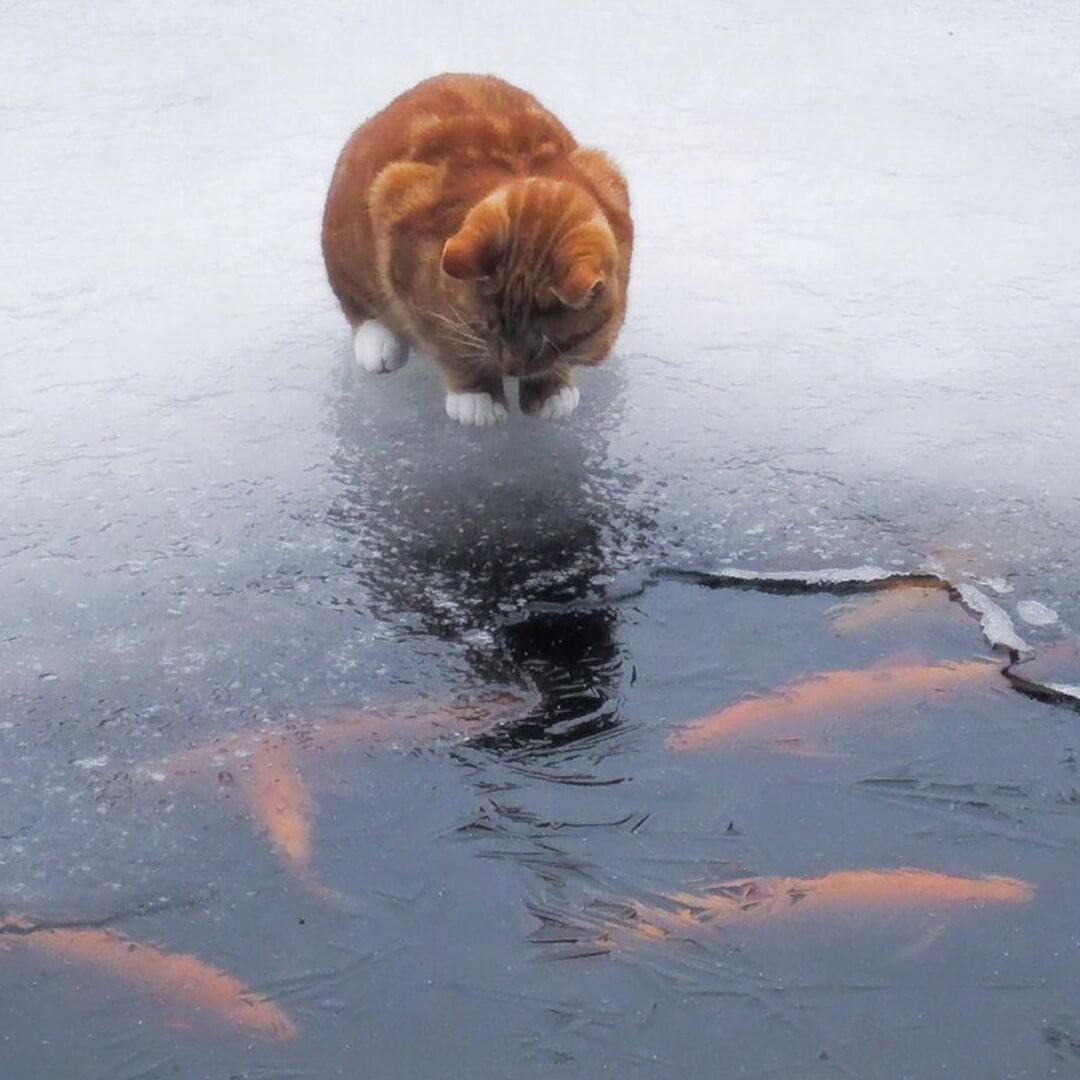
x=470 y=254
x=580 y=286
x=475 y=249
x=583 y=263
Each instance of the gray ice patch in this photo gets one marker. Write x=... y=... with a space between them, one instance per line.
x=1036 y=614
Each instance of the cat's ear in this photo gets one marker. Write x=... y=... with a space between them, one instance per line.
x=470 y=255
x=580 y=287
x=475 y=249
x=583 y=263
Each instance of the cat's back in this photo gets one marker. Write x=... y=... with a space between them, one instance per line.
x=482 y=129
x=476 y=120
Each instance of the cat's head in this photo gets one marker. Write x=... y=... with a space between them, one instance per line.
x=536 y=266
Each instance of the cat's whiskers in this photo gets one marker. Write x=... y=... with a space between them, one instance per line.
x=476 y=357
x=455 y=323
x=549 y=344
x=467 y=340
x=457 y=329
x=460 y=318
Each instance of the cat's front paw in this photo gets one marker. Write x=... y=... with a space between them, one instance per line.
x=377 y=349
x=475 y=408
x=550 y=397
x=560 y=404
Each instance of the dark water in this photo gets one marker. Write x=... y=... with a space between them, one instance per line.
x=496 y=887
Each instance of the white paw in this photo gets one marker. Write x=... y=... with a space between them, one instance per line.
x=561 y=404
x=377 y=349
x=479 y=409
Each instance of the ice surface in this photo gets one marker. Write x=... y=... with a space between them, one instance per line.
x=851 y=325
x=997 y=627
x=1065 y=690
x=828 y=577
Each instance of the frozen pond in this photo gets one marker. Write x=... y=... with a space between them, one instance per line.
x=851 y=342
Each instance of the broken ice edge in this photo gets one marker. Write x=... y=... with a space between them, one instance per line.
x=997 y=626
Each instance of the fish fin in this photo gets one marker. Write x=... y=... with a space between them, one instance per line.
x=932 y=935
x=336 y=898
x=803 y=748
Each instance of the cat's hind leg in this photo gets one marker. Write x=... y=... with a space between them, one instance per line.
x=377 y=349
x=552 y=396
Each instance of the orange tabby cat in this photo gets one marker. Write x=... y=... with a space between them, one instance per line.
x=465 y=220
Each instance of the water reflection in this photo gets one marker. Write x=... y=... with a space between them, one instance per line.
x=497 y=543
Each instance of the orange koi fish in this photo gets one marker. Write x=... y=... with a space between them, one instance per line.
x=262 y=762
x=882 y=606
x=333 y=728
x=176 y=975
x=750 y=900
x=784 y=715
x=281 y=803
x=336 y=728
x=278 y=799
x=851 y=890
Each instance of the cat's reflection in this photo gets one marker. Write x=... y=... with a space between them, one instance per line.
x=503 y=538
